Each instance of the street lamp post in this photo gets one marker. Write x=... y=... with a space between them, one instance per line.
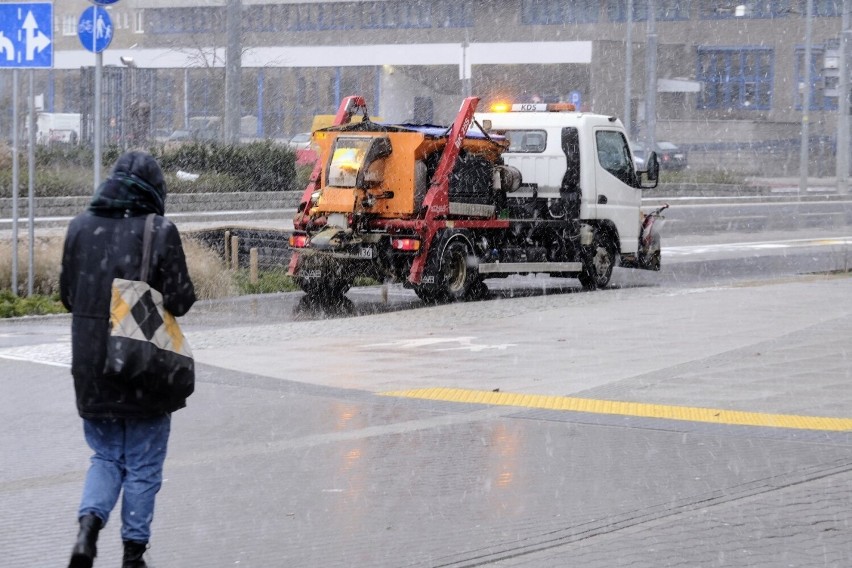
x=651 y=78
x=842 y=165
x=806 y=103
x=128 y=106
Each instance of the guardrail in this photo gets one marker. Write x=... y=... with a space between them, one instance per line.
x=175 y=203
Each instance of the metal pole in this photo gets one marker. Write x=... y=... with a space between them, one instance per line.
x=186 y=99
x=467 y=88
x=99 y=63
x=806 y=104
x=651 y=78
x=232 y=74
x=31 y=186
x=842 y=165
x=628 y=71
x=15 y=180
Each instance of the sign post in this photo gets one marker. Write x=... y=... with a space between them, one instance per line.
x=26 y=42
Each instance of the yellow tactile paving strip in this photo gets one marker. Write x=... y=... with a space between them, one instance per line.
x=572 y=404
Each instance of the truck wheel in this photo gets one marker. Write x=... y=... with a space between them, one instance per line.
x=326 y=281
x=598 y=263
x=317 y=288
x=457 y=277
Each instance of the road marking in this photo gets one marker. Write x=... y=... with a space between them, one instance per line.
x=637 y=409
x=464 y=343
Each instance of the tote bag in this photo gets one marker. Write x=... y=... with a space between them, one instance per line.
x=146 y=346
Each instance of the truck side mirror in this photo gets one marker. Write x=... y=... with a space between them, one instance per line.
x=651 y=171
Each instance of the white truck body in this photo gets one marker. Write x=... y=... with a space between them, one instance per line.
x=605 y=163
x=52 y=127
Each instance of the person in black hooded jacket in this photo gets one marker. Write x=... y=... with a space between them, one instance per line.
x=126 y=427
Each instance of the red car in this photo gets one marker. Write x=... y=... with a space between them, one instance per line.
x=670 y=156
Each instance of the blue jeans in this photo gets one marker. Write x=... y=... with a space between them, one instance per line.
x=129 y=455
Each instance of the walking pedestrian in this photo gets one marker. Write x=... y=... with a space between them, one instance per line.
x=126 y=426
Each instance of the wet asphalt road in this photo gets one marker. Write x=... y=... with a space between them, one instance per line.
x=304 y=445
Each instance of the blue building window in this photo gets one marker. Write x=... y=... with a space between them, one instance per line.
x=824 y=8
x=186 y=20
x=547 y=12
x=824 y=82
x=393 y=14
x=452 y=14
x=265 y=18
x=318 y=17
x=735 y=78
x=667 y=10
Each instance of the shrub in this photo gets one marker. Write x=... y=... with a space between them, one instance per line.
x=66 y=170
x=258 y=166
x=13 y=306
x=207 y=271
x=47 y=257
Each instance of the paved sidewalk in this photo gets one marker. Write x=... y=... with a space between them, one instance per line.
x=286 y=456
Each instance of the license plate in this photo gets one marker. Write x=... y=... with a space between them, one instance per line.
x=365 y=252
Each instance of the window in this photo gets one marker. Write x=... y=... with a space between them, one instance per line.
x=307 y=17
x=525 y=141
x=614 y=155
x=667 y=10
x=69 y=25
x=543 y=12
x=394 y=14
x=138 y=22
x=187 y=20
x=265 y=18
x=826 y=8
x=735 y=78
x=824 y=80
x=452 y=14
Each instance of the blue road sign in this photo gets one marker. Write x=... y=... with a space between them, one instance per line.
x=26 y=35
x=103 y=2
x=95 y=29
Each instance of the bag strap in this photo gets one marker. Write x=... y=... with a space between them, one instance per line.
x=147 y=238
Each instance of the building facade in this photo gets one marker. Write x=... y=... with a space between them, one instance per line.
x=730 y=75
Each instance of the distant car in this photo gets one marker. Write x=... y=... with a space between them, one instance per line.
x=669 y=155
x=180 y=136
x=200 y=135
x=301 y=141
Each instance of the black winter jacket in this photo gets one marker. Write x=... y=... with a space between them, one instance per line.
x=101 y=244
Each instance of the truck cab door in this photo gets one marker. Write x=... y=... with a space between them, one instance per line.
x=618 y=195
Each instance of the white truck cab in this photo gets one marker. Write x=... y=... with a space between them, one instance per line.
x=584 y=156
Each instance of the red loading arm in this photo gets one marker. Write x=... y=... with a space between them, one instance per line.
x=347 y=109
x=437 y=200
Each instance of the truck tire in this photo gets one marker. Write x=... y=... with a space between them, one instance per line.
x=453 y=279
x=598 y=262
x=327 y=280
x=324 y=288
x=457 y=277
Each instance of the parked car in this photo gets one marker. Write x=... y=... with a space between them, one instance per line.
x=301 y=141
x=670 y=156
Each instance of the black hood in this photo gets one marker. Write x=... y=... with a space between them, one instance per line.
x=136 y=186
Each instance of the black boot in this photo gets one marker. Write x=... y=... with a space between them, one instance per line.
x=133 y=552
x=84 y=551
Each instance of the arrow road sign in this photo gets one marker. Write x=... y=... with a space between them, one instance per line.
x=26 y=35
x=95 y=29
